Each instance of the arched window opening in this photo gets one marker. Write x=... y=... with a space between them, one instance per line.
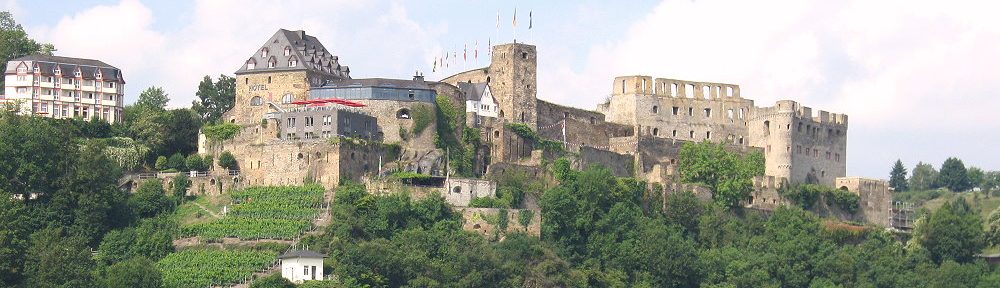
x=403 y=113
x=256 y=101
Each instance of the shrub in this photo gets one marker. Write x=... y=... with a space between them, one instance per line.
x=219 y=132
x=176 y=161
x=208 y=162
x=422 y=116
x=525 y=216
x=226 y=160
x=161 y=163
x=195 y=163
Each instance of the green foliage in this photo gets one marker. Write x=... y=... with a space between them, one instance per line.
x=805 y=195
x=992 y=237
x=128 y=153
x=14 y=232
x=180 y=186
x=176 y=162
x=152 y=99
x=194 y=163
x=214 y=98
x=954 y=175
x=845 y=200
x=221 y=131
x=161 y=163
x=408 y=175
x=562 y=170
x=272 y=281
x=57 y=260
x=283 y=212
x=151 y=239
x=526 y=133
x=392 y=151
x=461 y=143
x=422 y=117
x=150 y=200
x=135 y=272
x=683 y=209
x=525 y=216
x=503 y=220
x=953 y=232
x=208 y=162
x=207 y=267
x=227 y=161
x=977 y=178
x=924 y=177
x=897 y=177
x=728 y=174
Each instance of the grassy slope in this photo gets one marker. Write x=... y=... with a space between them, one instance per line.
x=978 y=200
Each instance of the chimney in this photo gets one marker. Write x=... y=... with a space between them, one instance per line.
x=417 y=76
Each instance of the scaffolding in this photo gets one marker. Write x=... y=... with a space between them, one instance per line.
x=902 y=216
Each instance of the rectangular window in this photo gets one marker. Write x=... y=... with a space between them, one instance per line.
x=22 y=77
x=305 y=270
x=827 y=155
x=708 y=112
x=690 y=111
x=45 y=107
x=676 y=110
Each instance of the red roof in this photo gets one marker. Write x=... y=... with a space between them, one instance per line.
x=322 y=102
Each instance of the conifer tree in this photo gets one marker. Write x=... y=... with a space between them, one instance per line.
x=897 y=178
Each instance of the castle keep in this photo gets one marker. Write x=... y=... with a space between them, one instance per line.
x=295 y=103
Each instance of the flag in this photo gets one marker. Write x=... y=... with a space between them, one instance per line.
x=465 y=52
x=498 y=19
x=515 y=18
x=475 y=53
x=489 y=49
x=434 y=68
x=530 y=21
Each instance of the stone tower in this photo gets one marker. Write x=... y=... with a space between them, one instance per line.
x=799 y=146
x=513 y=82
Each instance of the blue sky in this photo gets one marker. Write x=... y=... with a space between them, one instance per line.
x=915 y=77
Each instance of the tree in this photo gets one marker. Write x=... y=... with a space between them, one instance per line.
x=953 y=175
x=57 y=260
x=14 y=232
x=208 y=162
x=684 y=209
x=14 y=42
x=136 y=272
x=181 y=184
x=953 y=232
x=897 y=178
x=35 y=154
x=226 y=160
x=194 y=163
x=150 y=200
x=977 y=178
x=923 y=177
x=152 y=99
x=271 y=281
x=214 y=98
x=728 y=174
x=176 y=162
x=161 y=163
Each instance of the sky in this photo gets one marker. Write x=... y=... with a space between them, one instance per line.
x=915 y=77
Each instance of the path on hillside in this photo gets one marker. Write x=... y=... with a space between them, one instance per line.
x=216 y=216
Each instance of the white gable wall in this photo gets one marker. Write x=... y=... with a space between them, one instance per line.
x=300 y=269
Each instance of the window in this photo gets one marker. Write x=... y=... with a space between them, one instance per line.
x=767 y=126
x=45 y=107
x=290 y=122
x=691 y=134
x=288 y=51
x=256 y=101
x=309 y=121
x=827 y=155
x=708 y=112
x=22 y=69
x=305 y=270
x=655 y=109
x=22 y=77
x=676 y=110
x=729 y=113
x=673 y=134
x=286 y=99
x=263 y=53
x=271 y=63
x=293 y=62
x=708 y=135
x=76 y=73
x=690 y=111
x=656 y=132
x=251 y=64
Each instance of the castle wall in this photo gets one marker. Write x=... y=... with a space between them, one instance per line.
x=478 y=75
x=391 y=122
x=482 y=221
x=876 y=199
x=460 y=191
x=620 y=165
x=765 y=194
x=583 y=128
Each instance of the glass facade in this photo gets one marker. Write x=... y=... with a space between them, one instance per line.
x=373 y=93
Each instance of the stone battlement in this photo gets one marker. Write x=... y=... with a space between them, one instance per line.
x=768 y=182
x=803 y=112
x=674 y=88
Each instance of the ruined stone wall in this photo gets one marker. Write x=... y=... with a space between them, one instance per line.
x=680 y=109
x=460 y=191
x=620 y=165
x=484 y=221
x=394 y=125
x=583 y=128
x=876 y=199
x=765 y=193
x=798 y=145
x=478 y=75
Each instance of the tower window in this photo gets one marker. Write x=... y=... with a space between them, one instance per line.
x=524 y=55
x=655 y=109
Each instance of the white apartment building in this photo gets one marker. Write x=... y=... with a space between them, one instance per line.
x=64 y=87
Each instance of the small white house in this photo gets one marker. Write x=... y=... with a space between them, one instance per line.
x=301 y=265
x=479 y=100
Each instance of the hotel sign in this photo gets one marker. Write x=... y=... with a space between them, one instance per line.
x=258 y=87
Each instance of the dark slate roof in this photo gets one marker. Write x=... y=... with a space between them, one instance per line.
x=473 y=91
x=309 y=52
x=378 y=82
x=301 y=254
x=47 y=65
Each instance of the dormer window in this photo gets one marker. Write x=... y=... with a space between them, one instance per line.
x=56 y=71
x=263 y=53
x=288 y=50
x=292 y=62
x=77 y=73
x=251 y=64
x=271 y=63
x=22 y=69
x=98 y=74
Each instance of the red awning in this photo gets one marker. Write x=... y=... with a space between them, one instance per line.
x=321 y=102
